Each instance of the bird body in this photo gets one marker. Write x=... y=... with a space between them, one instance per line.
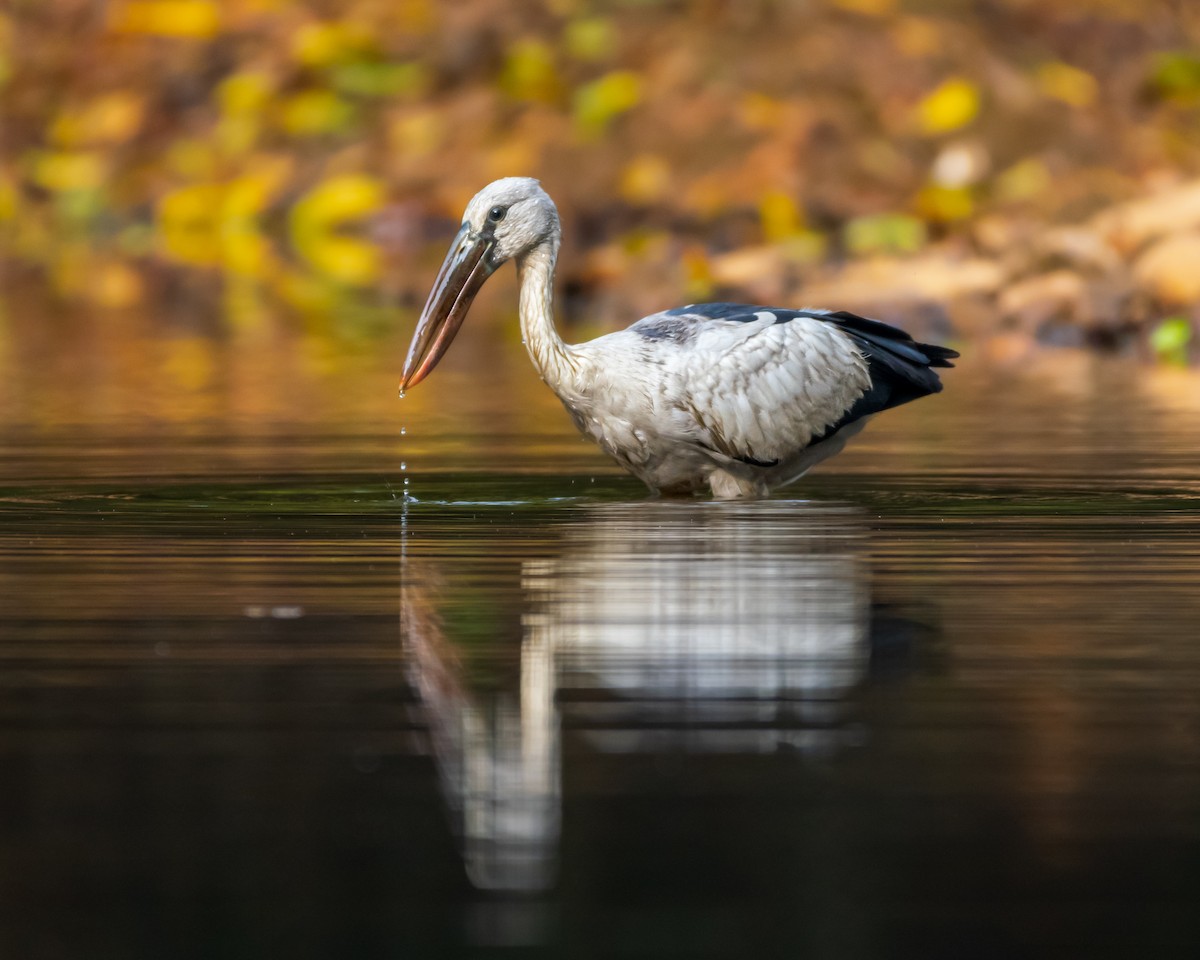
x=737 y=398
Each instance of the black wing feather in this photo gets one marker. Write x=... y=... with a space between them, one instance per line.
x=900 y=367
x=890 y=339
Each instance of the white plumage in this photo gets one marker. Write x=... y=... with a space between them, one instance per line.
x=737 y=398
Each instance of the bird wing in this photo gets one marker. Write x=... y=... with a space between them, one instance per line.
x=759 y=384
x=750 y=383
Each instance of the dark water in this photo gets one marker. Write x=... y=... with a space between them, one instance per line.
x=939 y=700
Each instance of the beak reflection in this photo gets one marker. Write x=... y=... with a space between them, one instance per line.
x=466 y=267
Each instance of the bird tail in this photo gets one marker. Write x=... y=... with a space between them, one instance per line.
x=906 y=362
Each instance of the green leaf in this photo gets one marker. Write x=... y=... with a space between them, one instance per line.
x=885 y=233
x=365 y=78
x=1169 y=340
x=1177 y=74
x=592 y=38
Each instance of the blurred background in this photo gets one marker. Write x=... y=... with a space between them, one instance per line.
x=209 y=207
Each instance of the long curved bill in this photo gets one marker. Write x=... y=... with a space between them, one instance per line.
x=466 y=267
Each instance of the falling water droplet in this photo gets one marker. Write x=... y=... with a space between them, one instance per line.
x=403 y=467
x=403 y=431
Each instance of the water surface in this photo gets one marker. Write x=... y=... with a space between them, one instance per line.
x=299 y=684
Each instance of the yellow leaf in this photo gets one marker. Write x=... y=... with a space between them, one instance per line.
x=592 y=38
x=646 y=179
x=8 y=199
x=952 y=105
x=237 y=134
x=945 y=203
x=1074 y=87
x=1023 y=180
x=317 y=220
x=191 y=159
x=321 y=43
x=780 y=216
x=186 y=19
x=188 y=224
x=343 y=259
x=245 y=198
x=698 y=275
x=602 y=100
x=190 y=204
x=247 y=92
x=642 y=242
x=211 y=224
x=315 y=112
x=245 y=252
x=65 y=171
x=344 y=197
x=529 y=72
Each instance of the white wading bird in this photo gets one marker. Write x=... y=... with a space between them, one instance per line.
x=738 y=398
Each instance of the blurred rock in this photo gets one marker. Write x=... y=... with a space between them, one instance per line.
x=1128 y=226
x=757 y=270
x=935 y=296
x=998 y=235
x=1079 y=247
x=1169 y=270
x=1067 y=307
x=936 y=277
x=1035 y=301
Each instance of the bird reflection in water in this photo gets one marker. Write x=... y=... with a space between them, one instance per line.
x=655 y=627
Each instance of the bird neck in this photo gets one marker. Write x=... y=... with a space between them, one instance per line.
x=553 y=358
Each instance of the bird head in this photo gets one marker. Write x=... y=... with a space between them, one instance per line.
x=503 y=221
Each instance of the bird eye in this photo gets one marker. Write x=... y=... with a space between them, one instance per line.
x=496 y=214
